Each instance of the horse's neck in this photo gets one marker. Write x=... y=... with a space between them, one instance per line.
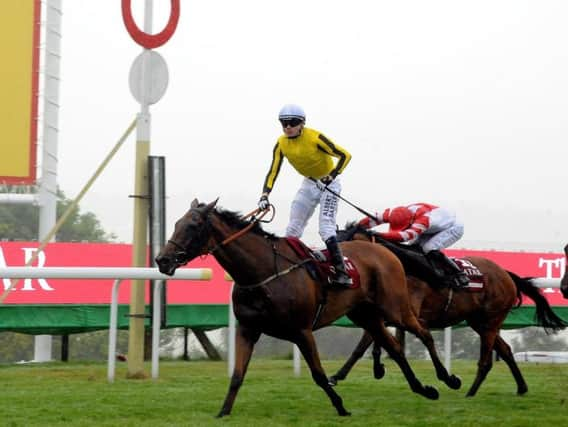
x=247 y=258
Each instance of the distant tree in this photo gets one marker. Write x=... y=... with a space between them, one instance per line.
x=21 y=222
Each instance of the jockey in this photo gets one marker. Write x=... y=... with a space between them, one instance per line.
x=428 y=226
x=310 y=153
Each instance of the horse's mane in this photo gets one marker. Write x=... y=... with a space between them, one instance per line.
x=235 y=219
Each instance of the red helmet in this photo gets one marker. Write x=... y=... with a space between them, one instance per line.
x=399 y=218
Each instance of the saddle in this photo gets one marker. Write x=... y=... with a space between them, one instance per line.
x=415 y=263
x=320 y=266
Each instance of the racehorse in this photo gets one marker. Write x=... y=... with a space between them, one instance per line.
x=564 y=280
x=484 y=311
x=274 y=294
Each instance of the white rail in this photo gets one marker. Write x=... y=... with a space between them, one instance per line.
x=119 y=274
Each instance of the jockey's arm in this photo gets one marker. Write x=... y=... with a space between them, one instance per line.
x=273 y=171
x=334 y=150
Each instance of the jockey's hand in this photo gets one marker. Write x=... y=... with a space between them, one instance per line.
x=323 y=182
x=263 y=203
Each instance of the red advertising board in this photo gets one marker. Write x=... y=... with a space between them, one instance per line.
x=74 y=291
x=216 y=291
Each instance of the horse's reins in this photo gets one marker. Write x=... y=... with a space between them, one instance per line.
x=183 y=251
x=255 y=219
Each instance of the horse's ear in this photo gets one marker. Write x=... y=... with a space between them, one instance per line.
x=194 y=204
x=211 y=205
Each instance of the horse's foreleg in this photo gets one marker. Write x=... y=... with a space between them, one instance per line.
x=245 y=341
x=307 y=345
x=505 y=353
x=487 y=342
x=359 y=351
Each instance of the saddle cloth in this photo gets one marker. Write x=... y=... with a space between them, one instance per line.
x=322 y=268
x=475 y=276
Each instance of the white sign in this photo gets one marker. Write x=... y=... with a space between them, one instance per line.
x=148 y=77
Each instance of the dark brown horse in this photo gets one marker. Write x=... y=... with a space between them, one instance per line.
x=564 y=280
x=274 y=294
x=483 y=311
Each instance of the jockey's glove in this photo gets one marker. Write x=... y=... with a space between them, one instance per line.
x=263 y=203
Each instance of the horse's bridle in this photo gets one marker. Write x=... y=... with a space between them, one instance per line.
x=181 y=255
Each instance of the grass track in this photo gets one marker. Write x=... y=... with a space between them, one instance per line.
x=191 y=393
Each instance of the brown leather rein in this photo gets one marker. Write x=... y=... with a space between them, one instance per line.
x=255 y=220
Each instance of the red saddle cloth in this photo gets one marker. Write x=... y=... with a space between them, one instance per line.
x=323 y=267
x=476 y=282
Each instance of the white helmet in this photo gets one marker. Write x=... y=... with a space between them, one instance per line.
x=292 y=111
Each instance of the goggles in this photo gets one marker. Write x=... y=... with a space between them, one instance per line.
x=293 y=122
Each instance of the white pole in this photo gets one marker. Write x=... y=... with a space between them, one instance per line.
x=448 y=348
x=142 y=273
x=156 y=323
x=112 y=332
x=296 y=356
x=47 y=193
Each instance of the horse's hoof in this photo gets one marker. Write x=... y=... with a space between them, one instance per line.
x=332 y=381
x=379 y=370
x=522 y=390
x=222 y=414
x=454 y=382
x=343 y=413
x=431 y=393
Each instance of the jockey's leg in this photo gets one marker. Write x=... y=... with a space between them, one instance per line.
x=302 y=209
x=327 y=231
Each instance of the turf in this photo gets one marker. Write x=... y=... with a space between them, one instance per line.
x=191 y=394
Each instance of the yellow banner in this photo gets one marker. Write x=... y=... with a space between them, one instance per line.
x=19 y=44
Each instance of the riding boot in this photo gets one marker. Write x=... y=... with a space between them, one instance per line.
x=341 y=278
x=458 y=277
x=438 y=277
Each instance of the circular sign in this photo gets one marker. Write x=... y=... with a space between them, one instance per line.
x=150 y=41
x=148 y=77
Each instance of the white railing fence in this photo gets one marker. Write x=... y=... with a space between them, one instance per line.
x=118 y=274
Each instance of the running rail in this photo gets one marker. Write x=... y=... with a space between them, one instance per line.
x=118 y=274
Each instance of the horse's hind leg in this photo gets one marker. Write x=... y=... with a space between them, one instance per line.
x=359 y=351
x=245 y=341
x=411 y=324
x=505 y=353
x=487 y=341
x=307 y=345
x=376 y=327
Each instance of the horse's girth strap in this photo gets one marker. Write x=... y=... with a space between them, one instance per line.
x=277 y=274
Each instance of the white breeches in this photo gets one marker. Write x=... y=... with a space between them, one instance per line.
x=304 y=204
x=444 y=231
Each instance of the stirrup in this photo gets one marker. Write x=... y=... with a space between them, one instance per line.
x=462 y=280
x=341 y=280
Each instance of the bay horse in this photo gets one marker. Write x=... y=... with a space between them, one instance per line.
x=564 y=280
x=274 y=294
x=484 y=311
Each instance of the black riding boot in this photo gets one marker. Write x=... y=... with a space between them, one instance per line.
x=341 y=277
x=457 y=277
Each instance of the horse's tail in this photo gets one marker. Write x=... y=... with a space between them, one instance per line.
x=545 y=317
